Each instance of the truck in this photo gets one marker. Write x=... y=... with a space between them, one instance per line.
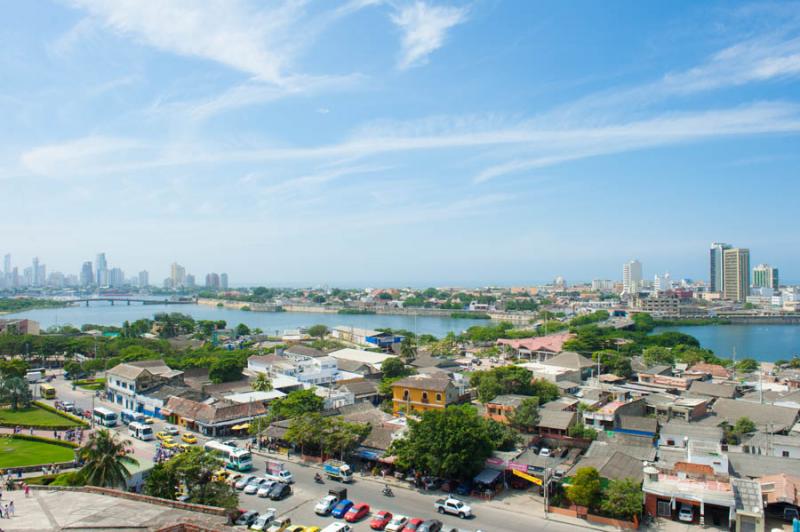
x=34 y=376
x=453 y=506
x=337 y=470
x=276 y=470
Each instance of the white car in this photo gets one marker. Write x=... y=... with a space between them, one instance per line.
x=545 y=452
x=325 y=505
x=263 y=490
x=252 y=487
x=172 y=431
x=337 y=527
x=397 y=523
x=686 y=514
x=244 y=481
x=264 y=520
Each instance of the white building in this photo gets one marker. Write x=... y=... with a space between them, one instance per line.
x=631 y=277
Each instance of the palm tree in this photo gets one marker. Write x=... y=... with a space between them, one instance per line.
x=15 y=390
x=262 y=383
x=104 y=458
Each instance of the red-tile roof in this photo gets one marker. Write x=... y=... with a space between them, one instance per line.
x=552 y=342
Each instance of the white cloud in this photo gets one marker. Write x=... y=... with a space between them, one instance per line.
x=424 y=29
x=66 y=159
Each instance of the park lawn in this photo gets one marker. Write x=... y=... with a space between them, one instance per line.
x=18 y=453
x=34 y=416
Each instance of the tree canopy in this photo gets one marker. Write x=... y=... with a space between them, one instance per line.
x=295 y=404
x=584 y=489
x=622 y=499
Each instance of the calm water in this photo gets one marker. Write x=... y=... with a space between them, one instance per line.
x=761 y=342
x=269 y=322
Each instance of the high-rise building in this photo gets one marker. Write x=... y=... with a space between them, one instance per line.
x=7 y=265
x=36 y=270
x=631 y=276
x=716 y=280
x=212 y=280
x=116 y=278
x=177 y=275
x=223 y=281
x=765 y=276
x=190 y=282
x=662 y=283
x=101 y=270
x=87 y=274
x=144 y=279
x=736 y=274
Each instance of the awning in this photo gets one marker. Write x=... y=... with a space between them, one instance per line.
x=387 y=460
x=368 y=454
x=487 y=476
x=243 y=426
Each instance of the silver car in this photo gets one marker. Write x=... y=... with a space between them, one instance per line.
x=244 y=481
x=263 y=490
x=252 y=487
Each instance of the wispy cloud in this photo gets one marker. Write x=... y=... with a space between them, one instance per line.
x=424 y=28
x=77 y=156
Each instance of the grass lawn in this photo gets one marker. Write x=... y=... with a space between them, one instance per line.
x=16 y=453
x=38 y=417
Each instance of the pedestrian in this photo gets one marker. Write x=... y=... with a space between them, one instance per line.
x=7 y=512
x=11 y=508
x=27 y=491
x=31 y=431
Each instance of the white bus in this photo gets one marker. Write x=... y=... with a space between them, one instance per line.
x=140 y=431
x=235 y=458
x=104 y=416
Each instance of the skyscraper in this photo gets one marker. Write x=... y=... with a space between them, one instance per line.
x=36 y=281
x=102 y=269
x=87 y=274
x=223 y=281
x=736 y=274
x=7 y=265
x=631 y=276
x=177 y=275
x=144 y=279
x=765 y=276
x=716 y=280
x=212 y=280
x=116 y=278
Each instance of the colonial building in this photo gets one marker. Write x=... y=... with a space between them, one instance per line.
x=419 y=393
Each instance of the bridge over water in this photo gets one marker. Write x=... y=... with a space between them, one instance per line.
x=129 y=300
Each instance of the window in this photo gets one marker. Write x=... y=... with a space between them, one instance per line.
x=785 y=454
x=424 y=397
x=405 y=395
x=664 y=509
x=439 y=397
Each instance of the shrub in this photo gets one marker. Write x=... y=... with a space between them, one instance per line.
x=42 y=439
x=45 y=406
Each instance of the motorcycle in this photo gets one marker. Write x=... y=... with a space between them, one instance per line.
x=318 y=479
x=387 y=491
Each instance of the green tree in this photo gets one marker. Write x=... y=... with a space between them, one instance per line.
x=104 y=459
x=622 y=499
x=407 y=351
x=580 y=430
x=503 y=437
x=658 y=355
x=13 y=368
x=261 y=383
x=242 y=330
x=15 y=392
x=450 y=443
x=614 y=362
x=318 y=331
x=526 y=417
x=585 y=488
x=307 y=431
x=297 y=403
x=193 y=470
x=545 y=390
x=394 y=367
x=747 y=365
x=744 y=426
x=225 y=370
x=162 y=482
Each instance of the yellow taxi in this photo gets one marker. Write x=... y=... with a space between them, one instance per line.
x=168 y=444
x=221 y=475
x=311 y=529
x=189 y=437
x=149 y=420
x=161 y=435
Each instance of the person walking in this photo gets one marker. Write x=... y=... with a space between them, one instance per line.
x=27 y=491
x=11 y=509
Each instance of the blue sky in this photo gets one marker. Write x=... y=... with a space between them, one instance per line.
x=415 y=142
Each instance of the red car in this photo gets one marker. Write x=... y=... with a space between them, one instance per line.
x=380 y=520
x=357 y=512
x=413 y=524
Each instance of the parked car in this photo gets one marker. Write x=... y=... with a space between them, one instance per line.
x=337 y=527
x=465 y=488
x=325 y=505
x=247 y=518
x=264 y=520
x=280 y=491
x=172 y=431
x=243 y=481
x=545 y=452
x=357 y=512
x=233 y=479
x=264 y=489
x=397 y=523
x=412 y=525
x=311 y=529
x=431 y=525
x=280 y=526
x=686 y=514
x=341 y=508
x=380 y=520
x=431 y=483
x=252 y=487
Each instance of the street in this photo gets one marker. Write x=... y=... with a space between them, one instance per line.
x=520 y=515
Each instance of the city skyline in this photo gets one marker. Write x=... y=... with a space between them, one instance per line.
x=485 y=142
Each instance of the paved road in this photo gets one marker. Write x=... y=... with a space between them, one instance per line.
x=300 y=505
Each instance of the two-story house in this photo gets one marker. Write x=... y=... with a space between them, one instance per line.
x=427 y=391
x=127 y=383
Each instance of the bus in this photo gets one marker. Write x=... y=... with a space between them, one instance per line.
x=235 y=458
x=129 y=416
x=140 y=431
x=47 y=391
x=104 y=416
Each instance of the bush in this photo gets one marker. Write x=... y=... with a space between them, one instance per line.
x=70 y=478
x=45 y=406
x=42 y=439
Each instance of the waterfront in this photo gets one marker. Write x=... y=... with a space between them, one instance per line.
x=761 y=342
x=269 y=322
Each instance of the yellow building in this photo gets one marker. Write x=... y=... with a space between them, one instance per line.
x=423 y=392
